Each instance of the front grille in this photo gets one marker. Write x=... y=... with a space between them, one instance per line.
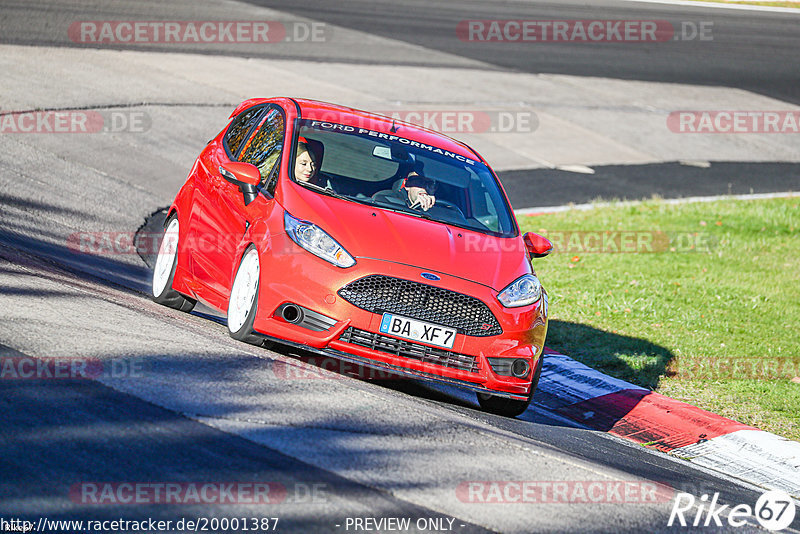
x=409 y=349
x=379 y=294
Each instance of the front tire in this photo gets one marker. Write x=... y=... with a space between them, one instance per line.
x=511 y=407
x=164 y=271
x=243 y=302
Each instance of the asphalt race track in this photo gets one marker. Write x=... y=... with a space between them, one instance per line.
x=176 y=400
x=741 y=54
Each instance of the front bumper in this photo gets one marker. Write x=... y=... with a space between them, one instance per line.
x=355 y=335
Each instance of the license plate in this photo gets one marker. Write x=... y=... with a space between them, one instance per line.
x=404 y=327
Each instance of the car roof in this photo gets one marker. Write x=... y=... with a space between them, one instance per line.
x=325 y=111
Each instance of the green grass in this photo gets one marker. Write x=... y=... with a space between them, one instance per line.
x=715 y=325
x=775 y=3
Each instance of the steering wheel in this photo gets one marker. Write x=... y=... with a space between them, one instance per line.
x=448 y=205
x=387 y=198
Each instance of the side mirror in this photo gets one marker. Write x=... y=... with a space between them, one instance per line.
x=538 y=246
x=245 y=175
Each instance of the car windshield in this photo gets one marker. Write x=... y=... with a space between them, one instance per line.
x=396 y=173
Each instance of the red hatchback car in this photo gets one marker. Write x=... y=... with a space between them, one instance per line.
x=357 y=236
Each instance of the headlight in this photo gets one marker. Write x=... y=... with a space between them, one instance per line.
x=315 y=240
x=523 y=291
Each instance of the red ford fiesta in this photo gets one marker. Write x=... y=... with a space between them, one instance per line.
x=372 y=240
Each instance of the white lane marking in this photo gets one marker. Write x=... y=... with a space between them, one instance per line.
x=686 y=200
x=767 y=459
x=741 y=7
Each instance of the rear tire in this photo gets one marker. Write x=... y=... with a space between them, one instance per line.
x=511 y=407
x=243 y=302
x=164 y=271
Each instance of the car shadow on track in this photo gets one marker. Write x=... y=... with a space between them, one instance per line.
x=631 y=359
x=65 y=438
x=29 y=233
x=628 y=358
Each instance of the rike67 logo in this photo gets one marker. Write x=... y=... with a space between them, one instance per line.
x=774 y=510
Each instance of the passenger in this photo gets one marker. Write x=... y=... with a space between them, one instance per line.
x=419 y=191
x=305 y=164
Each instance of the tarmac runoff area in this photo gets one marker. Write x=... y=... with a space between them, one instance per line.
x=517 y=121
x=577 y=128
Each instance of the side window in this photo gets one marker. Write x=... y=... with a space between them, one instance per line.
x=240 y=129
x=264 y=149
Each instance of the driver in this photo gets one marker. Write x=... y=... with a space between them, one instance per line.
x=419 y=191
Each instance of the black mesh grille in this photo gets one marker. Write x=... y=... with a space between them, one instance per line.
x=409 y=349
x=379 y=294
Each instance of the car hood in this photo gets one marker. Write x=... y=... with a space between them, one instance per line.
x=372 y=232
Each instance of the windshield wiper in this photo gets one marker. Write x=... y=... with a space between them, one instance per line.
x=325 y=191
x=417 y=214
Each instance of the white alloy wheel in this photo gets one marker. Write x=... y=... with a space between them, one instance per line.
x=167 y=256
x=243 y=292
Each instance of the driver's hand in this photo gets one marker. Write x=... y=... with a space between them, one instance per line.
x=426 y=200
x=419 y=197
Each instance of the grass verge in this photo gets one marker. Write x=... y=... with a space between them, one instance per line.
x=697 y=301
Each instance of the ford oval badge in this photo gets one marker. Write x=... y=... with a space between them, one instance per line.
x=430 y=276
